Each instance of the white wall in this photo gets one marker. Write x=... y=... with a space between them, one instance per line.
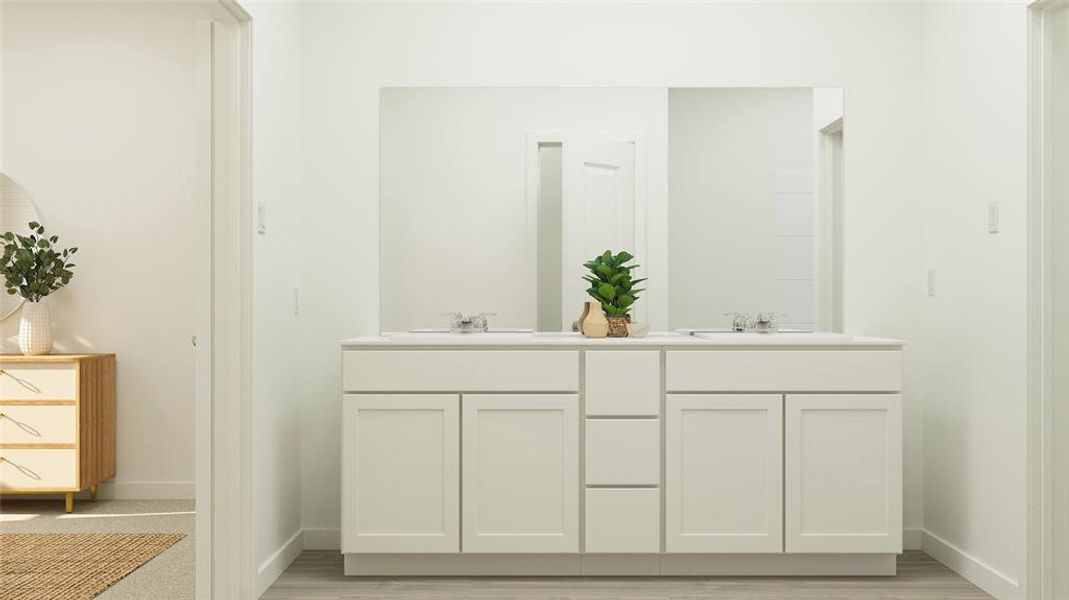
x=973 y=370
x=352 y=50
x=277 y=184
x=730 y=151
x=100 y=121
x=456 y=232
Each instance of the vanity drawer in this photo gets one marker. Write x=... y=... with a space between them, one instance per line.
x=784 y=371
x=623 y=451
x=38 y=424
x=623 y=383
x=38 y=468
x=460 y=371
x=622 y=520
x=38 y=381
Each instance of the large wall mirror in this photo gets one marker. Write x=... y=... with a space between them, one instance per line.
x=492 y=198
x=17 y=210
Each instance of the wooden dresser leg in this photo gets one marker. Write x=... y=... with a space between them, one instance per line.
x=93 y=493
x=69 y=501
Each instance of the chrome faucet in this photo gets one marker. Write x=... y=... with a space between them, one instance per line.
x=740 y=322
x=458 y=323
x=744 y=322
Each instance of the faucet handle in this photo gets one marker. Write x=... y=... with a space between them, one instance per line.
x=765 y=322
x=481 y=321
x=740 y=321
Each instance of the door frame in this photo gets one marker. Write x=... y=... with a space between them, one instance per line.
x=831 y=185
x=223 y=337
x=1040 y=279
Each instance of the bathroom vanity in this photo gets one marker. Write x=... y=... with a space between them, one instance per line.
x=675 y=454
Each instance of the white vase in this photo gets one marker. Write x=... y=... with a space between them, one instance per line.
x=35 y=329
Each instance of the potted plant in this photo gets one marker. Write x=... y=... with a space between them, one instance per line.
x=611 y=285
x=33 y=267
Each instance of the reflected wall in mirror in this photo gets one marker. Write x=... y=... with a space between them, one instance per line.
x=492 y=198
x=17 y=210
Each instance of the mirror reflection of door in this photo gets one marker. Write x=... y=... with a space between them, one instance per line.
x=587 y=203
x=17 y=210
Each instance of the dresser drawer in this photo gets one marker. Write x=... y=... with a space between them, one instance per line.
x=38 y=381
x=784 y=371
x=44 y=469
x=623 y=451
x=623 y=383
x=38 y=424
x=460 y=371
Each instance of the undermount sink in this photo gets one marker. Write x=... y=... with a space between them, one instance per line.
x=445 y=334
x=801 y=336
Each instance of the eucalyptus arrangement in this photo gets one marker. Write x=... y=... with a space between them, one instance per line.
x=34 y=267
x=612 y=286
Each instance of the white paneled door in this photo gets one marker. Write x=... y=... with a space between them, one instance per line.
x=521 y=473
x=843 y=490
x=599 y=207
x=401 y=473
x=723 y=477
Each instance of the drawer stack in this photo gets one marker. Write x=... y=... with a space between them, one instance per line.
x=623 y=450
x=57 y=423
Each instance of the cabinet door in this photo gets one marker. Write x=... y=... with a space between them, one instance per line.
x=401 y=473
x=521 y=473
x=843 y=473
x=723 y=473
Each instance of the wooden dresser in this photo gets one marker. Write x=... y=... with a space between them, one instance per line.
x=57 y=423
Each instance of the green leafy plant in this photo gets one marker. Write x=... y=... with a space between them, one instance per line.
x=611 y=284
x=32 y=266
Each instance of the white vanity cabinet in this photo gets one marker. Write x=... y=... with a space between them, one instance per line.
x=843 y=473
x=401 y=473
x=521 y=473
x=777 y=455
x=724 y=460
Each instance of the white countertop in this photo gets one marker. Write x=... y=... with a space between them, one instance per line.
x=655 y=339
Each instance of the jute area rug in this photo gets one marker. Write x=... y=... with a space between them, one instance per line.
x=73 y=566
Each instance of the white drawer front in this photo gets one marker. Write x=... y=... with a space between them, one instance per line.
x=31 y=469
x=38 y=424
x=623 y=520
x=623 y=452
x=460 y=371
x=623 y=383
x=784 y=371
x=43 y=381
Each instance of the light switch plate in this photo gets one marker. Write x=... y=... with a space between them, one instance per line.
x=261 y=218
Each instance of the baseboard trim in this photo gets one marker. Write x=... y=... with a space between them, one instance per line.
x=147 y=490
x=979 y=573
x=131 y=490
x=321 y=538
x=913 y=538
x=277 y=562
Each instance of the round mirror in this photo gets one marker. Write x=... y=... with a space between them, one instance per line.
x=16 y=211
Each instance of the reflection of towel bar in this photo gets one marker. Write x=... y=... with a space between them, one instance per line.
x=22 y=469
x=23 y=426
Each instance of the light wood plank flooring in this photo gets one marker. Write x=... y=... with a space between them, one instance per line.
x=317 y=574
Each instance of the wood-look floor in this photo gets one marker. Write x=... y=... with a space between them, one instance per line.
x=317 y=574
